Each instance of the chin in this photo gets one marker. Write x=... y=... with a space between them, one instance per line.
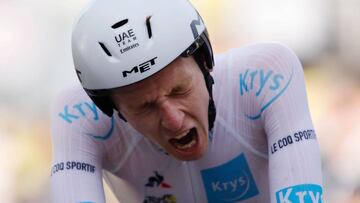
x=190 y=158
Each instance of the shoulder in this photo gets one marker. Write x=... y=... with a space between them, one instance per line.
x=74 y=112
x=72 y=105
x=256 y=54
x=255 y=76
x=254 y=64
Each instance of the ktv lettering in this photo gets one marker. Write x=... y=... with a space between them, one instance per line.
x=305 y=193
x=257 y=80
x=290 y=139
x=78 y=111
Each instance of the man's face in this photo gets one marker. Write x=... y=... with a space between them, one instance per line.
x=170 y=108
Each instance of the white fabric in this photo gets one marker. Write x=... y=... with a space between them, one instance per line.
x=255 y=153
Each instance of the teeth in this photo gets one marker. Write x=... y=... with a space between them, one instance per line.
x=190 y=144
x=182 y=135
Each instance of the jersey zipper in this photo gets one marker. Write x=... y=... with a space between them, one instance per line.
x=190 y=181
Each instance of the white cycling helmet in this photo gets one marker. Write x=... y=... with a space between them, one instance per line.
x=120 y=42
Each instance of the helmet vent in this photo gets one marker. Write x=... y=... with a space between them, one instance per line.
x=105 y=49
x=119 y=24
x=148 y=25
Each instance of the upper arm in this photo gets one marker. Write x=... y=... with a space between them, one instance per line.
x=76 y=174
x=281 y=106
x=272 y=115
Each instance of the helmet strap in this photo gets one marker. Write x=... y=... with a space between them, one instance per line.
x=201 y=60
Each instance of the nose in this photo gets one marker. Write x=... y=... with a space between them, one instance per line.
x=171 y=116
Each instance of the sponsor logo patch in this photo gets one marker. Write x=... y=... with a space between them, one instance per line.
x=288 y=140
x=85 y=110
x=157 y=181
x=305 y=193
x=230 y=182
x=157 y=190
x=258 y=82
x=78 y=111
x=126 y=40
x=143 y=67
x=164 y=199
x=72 y=165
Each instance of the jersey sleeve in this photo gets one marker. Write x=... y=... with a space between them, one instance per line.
x=275 y=80
x=76 y=174
x=272 y=115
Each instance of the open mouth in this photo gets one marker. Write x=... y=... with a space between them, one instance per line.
x=186 y=140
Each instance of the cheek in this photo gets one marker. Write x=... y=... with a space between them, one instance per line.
x=203 y=94
x=144 y=124
x=139 y=123
x=200 y=101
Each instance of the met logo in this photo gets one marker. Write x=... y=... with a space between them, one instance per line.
x=230 y=182
x=305 y=193
x=143 y=67
x=260 y=82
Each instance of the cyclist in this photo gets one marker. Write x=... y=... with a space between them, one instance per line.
x=145 y=114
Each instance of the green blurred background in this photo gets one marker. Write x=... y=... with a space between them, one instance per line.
x=35 y=63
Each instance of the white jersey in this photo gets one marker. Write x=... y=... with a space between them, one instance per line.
x=263 y=147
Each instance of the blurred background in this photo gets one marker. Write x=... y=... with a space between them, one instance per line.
x=35 y=63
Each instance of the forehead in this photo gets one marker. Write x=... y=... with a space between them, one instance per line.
x=180 y=71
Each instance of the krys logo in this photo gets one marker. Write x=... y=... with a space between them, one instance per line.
x=260 y=82
x=85 y=110
x=306 y=193
x=230 y=182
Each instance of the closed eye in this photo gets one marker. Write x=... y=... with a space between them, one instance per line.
x=180 y=91
x=140 y=109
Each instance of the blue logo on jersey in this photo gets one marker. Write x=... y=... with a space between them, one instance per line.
x=82 y=110
x=78 y=111
x=256 y=80
x=306 y=193
x=106 y=135
x=230 y=182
